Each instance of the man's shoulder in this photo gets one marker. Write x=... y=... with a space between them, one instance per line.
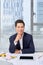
x=27 y=34
x=12 y=36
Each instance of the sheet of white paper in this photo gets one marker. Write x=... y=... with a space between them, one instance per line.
x=40 y=60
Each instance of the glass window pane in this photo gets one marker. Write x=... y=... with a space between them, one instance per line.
x=38 y=24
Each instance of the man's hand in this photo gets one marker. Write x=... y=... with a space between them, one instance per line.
x=17 y=51
x=18 y=37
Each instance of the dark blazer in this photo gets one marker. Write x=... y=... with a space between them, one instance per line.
x=28 y=45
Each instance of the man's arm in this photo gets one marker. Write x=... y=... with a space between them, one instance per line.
x=13 y=44
x=12 y=47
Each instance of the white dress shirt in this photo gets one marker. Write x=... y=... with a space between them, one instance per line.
x=21 y=42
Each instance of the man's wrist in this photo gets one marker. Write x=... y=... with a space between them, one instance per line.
x=20 y=51
x=15 y=42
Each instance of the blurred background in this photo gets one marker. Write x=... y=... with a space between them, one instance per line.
x=31 y=11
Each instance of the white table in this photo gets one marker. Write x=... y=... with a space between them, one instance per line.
x=38 y=59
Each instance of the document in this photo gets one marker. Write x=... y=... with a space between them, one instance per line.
x=40 y=60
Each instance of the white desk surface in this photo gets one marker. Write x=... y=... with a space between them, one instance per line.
x=37 y=59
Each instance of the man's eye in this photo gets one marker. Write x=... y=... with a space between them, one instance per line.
x=18 y=27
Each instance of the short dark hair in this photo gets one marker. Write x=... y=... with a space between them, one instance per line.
x=19 y=21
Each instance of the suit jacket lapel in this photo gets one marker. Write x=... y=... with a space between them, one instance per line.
x=23 y=40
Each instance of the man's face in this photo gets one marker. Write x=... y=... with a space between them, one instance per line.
x=20 y=28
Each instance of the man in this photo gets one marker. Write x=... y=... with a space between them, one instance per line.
x=21 y=42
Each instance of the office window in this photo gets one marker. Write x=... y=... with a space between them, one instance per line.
x=38 y=18
x=11 y=10
x=37 y=29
